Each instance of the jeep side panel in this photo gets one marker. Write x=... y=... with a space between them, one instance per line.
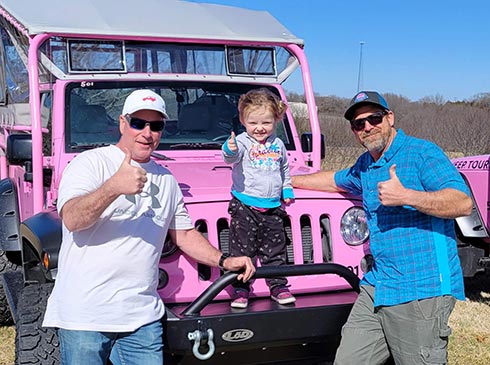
x=473 y=232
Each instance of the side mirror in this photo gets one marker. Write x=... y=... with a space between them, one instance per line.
x=307 y=143
x=19 y=149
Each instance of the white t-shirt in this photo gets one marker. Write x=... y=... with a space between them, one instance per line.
x=108 y=274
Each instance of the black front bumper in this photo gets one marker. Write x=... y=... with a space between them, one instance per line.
x=308 y=330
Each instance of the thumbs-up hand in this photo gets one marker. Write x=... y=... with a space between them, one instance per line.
x=391 y=192
x=129 y=179
x=232 y=142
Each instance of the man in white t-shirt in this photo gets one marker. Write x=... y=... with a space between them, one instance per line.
x=117 y=206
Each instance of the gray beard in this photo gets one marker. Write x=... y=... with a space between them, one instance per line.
x=377 y=145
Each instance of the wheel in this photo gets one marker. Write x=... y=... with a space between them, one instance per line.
x=5 y=315
x=35 y=344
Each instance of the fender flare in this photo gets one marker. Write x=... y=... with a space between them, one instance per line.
x=472 y=226
x=9 y=216
x=41 y=235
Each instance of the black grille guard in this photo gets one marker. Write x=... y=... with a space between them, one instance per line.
x=228 y=278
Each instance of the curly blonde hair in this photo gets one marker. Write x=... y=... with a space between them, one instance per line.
x=261 y=97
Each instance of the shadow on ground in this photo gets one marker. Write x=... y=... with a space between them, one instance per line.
x=477 y=288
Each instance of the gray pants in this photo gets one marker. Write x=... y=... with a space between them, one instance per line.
x=413 y=333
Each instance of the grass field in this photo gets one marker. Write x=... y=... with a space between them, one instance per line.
x=7 y=336
x=469 y=343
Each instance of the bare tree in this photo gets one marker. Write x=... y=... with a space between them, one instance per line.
x=459 y=128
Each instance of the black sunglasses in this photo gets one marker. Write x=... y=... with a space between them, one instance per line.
x=373 y=119
x=139 y=124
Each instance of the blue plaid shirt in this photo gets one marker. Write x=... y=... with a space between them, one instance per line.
x=415 y=254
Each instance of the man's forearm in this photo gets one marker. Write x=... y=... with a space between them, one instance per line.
x=446 y=203
x=193 y=243
x=323 y=180
x=82 y=212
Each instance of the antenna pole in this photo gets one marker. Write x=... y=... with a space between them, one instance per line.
x=360 y=66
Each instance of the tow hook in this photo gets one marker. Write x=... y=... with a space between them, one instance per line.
x=202 y=338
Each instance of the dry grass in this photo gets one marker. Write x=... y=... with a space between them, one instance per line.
x=470 y=322
x=468 y=344
x=7 y=337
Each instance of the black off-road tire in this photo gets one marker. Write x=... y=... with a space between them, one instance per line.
x=35 y=344
x=5 y=315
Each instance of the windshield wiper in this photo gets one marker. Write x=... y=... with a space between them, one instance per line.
x=196 y=145
x=88 y=146
x=161 y=157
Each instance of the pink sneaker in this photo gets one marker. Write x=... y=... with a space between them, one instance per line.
x=240 y=299
x=282 y=295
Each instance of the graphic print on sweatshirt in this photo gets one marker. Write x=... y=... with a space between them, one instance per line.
x=265 y=156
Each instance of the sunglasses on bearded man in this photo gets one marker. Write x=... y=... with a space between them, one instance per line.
x=373 y=119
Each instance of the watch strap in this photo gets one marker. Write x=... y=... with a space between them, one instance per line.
x=222 y=259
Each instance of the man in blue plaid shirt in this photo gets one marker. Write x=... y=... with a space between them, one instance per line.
x=411 y=194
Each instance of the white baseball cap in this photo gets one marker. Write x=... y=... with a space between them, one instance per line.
x=144 y=99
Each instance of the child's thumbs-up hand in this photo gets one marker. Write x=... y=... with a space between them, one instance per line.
x=232 y=142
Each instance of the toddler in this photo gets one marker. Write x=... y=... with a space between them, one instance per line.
x=260 y=181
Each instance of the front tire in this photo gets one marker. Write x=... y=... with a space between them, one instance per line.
x=35 y=344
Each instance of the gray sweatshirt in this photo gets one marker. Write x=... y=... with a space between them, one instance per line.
x=260 y=171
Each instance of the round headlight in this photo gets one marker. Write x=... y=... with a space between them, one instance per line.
x=353 y=226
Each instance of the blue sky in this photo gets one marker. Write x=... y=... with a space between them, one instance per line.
x=414 y=48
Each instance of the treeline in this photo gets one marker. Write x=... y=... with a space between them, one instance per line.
x=459 y=128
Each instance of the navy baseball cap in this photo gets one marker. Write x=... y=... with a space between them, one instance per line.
x=363 y=98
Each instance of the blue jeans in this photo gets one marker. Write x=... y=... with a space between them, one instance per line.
x=144 y=346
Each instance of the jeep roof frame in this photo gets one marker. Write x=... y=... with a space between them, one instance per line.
x=111 y=18
x=217 y=24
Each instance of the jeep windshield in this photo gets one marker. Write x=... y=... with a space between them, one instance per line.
x=201 y=115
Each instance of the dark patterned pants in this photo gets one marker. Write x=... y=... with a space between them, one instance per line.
x=258 y=235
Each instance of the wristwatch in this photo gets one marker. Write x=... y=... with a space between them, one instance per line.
x=221 y=263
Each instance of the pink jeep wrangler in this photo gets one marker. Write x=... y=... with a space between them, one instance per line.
x=63 y=80
x=473 y=232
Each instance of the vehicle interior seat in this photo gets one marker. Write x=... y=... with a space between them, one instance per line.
x=89 y=123
x=194 y=118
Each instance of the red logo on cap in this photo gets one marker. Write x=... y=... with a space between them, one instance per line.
x=361 y=96
x=151 y=98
